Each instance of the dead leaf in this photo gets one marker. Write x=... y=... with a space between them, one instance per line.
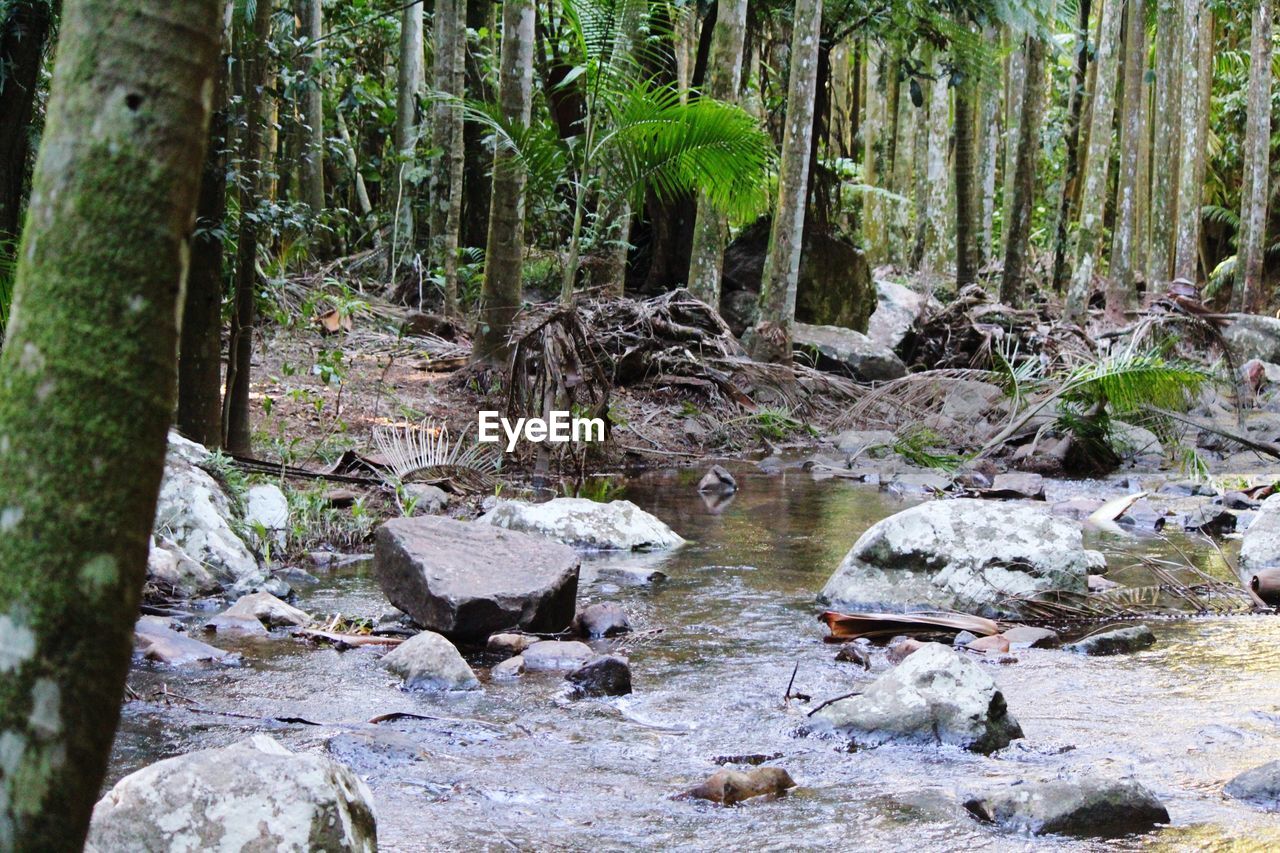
x=1113 y=509
x=333 y=321
x=851 y=626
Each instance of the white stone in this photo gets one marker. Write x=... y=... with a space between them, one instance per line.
x=1261 y=546
x=615 y=526
x=267 y=508
x=428 y=661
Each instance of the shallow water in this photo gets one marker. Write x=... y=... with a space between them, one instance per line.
x=520 y=766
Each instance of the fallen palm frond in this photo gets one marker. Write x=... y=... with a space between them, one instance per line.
x=425 y=453
x=1113 y=509
x=851 y=626
x=912 y=399
x=375 y=342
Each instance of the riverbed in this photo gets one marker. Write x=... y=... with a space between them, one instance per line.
x=520 y=766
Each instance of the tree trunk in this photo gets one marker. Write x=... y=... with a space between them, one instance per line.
x=966 y=171
x=937 y=241
x=1066 y=209
x=1014 y=109
x=200 y=349
x=874 y=222
x=724 y=78
x=1121 y=286
x=24 y=31
x=1017 y=255
x=1098 y=159
x=311 y=166
x=449 y=32
x=771 y=339
x=988 y=163
x=1250 y=295
x=87 y=392
x=409 y=82
x=1191 y=144
x=504 y=257
x=252 y=46
x=476 y=157
x=1164 y=178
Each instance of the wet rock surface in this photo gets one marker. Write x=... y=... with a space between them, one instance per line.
x=586 y=524
x=427 y=661
x=1082 y=806
x=718 y=481
x=602 y=619
x=729 y=787
x=608 y=675
x=1118 y=641
x=268 y=610
x=556 y=656
x=1259 y=786
x=155 y=641
x=1261 y=546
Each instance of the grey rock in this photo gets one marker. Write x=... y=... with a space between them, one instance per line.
x=253 y=795
x=1028 y=637
x=586 y=524
x=897 y=309
x=155 y=641
x=269 y=610
x=1019 y=484
x=509 y=644
x=427 y=498
x=1084 y=806
x=847 y=351
x=1261 y=546
x=859 y=442
x=1136 y=443
x=608 y=675
x=630 y=575
x=963 y=639
x=1213 y=520
x=1254 y=336
x=508 y=669
x=556 y=656
x=1116 y=642
x=229 y=625
x=961 y=555
x=935 y=696
x=427 y=661
x=1259 y=786
x=472 y=580
x=602 y=619
x=172 y=572
x=266 y=514
x=718 y=480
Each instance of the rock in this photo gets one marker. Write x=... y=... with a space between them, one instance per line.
x=1077 y=508
x=394 y=621
x=608 y=675
x=1017 y=484
x=269 y=610
x=993 y=643
x=1187 y=489
x=508 y=669
x=920 y=482
x=963 y=639
x=934 y=696
x=427 y=661
x=472 y=580
x=1081 y=806
x=227 y=625
x=1143 y=516
x=295 y=576
x=1212 y=520
x=267 y=514
x=1097 y=583
x=901 y=649
x=740 y=309
x=173 y=573
x=857 y=442
x=1027 y=637
x=195 y=514
x=1259 y=786
x=602 y=619
x=1135 y=443
x=960 y=555
x=1047 y=455
x=847 y=351
x=1261 y=546
x=853 y=653
x=718 y=481
x=252 y=795
x=556 y=656
x=427 y=499
x=509 y=644
x=729 y=787
x=1254 y=336
x=897 y=309
x=154 y=640
x=615 y=526
x=630 y=575
x=1238 y=500
x=1115 y=642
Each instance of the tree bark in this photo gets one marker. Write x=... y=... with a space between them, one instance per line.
x=988 y=163
x=449 y=32
x=1094 y=207
x=501 y=291
x=87 y=390
x=724 y=78
x=1016 y=87
x=966 y=185
x=1191 y=144
x=409 y=83
x=24 y=32
x=1065 y=208
x=771 y=339
x=1121 y=284
x=1164 y=178
x=874 y=222
x=311 y=164
x=1017 y=255
x=237 y=430
x=937 y=241
x=1250 y=294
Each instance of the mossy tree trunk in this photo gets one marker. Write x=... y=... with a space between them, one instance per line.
x=449 y=29
x=1186 y=246
x=1164 y=114
x=771 y=339
x=504 y=255
x=1075 y=120
x=24 y=31
x=87 y=390
x=1121 y=284
x=1249 y=293
x=410 y=80
x=965 y=172
x=311 y=164
x=1017 y=255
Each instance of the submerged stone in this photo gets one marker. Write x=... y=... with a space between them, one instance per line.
x=1090 y=807
x=1117 y=642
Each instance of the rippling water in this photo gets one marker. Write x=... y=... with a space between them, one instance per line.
x=520 y=766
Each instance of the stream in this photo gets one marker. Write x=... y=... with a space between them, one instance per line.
x=519 y=766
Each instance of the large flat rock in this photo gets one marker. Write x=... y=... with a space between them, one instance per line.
x=847 y=351
x=469 y=580
x=586 y=524
x=1261 y=546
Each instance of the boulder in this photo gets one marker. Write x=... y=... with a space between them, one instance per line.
x=266 y=513
x=556 y=656
x=608 y=675
x=934 y=696
x=1117 y=642
x=897 y=309
x=718 y=481
x=252 y=795
x=961 y=554
x=1081 y=806
x=1029 y=637
x=229 y=625
x=729 y=787
x=509 y=644
x=194 y=513
x=155 y=641
x=1018 y=484
x=602 y=619
x=427 y=661
x=586 y=524
x=268 y=610
x=1261 y=546
x=173 y=573
x=427 y=499
x=846 y=351
x=1259 y=786
x=1254 y=336
x=472 y=580
x=856 y=442
x=508 y=669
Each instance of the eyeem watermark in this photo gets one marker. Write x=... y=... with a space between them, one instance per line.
x=559 y=428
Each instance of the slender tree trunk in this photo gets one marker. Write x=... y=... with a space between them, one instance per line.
x=1121 y=286
x=874 y=221
x=353 y=165
x=409 y=85
x=311 y=167
x=724 y=79
x=937 y=251
x=966 y=171
x=24 y=32
x=449 y=32
x=200 y=349
x=1017 y=256
x=1164 y=156
x=1191 y=144
x=504 y=258
x=476 y=158
x=1014 y=108
x=1098 y=159
x=988 y=162
x=771 y=340
x=87 y=392
x=1066 y=210
x=1250 y=294
x=237 y=430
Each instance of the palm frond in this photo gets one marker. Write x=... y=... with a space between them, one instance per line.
x=410 y=450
